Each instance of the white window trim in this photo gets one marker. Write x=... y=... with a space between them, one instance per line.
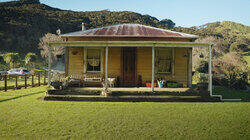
x=85 y=60
x=172 y=62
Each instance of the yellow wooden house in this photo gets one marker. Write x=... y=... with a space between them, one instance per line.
x=136 y=55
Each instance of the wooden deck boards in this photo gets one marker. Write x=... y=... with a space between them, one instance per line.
x=142 y=89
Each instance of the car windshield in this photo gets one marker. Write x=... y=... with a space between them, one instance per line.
x=25 y=71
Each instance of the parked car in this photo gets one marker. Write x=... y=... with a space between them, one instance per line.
x=3 y=72
x=18 y=72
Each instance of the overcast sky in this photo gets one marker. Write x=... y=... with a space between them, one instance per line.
x=184 y=13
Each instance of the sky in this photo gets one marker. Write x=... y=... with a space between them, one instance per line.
x=185 y=13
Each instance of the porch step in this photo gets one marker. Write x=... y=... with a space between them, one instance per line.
x=127 y=91
x=129 y=98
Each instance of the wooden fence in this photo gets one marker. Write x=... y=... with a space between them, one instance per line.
x=22 y=81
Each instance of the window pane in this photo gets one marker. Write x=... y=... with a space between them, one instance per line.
x=93 y=60
x=164 y=66
x=164 y=58
x=97 y=68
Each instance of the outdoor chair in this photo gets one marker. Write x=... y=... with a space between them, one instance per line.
x=76 y=80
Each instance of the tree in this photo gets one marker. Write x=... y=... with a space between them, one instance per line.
x=220 y=47
x=167 y=23
x=30 y=59
x=30 y=1
x=11 y=59
x=44 y=46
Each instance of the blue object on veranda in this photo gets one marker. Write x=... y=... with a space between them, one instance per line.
x=160 y=84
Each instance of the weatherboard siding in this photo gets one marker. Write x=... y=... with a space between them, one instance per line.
x=181 y=65
x=144 y=63
x=75 y=61
x=114 y=62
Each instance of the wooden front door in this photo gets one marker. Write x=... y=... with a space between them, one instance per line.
x=129 y=67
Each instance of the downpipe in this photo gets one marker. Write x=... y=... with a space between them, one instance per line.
x=224 y=100
x=210 y=79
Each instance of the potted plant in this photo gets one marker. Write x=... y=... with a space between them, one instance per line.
x=148 y=84
x=56 y=82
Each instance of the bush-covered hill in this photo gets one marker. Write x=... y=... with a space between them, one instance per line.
x=24 y=22
x=230 y=31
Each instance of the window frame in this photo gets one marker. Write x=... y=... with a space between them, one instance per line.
x=172 y=61
x=85 y=59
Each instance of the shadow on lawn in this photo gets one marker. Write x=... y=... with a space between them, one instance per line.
x=21 y=96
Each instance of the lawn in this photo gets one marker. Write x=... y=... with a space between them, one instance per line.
x=23 y=115
x=231 y=93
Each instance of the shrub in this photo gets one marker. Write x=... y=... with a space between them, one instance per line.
x=238 y=47
x=203 y=67
x=234 y=68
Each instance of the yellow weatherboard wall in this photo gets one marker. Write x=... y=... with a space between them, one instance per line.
x=144 y=63
x=75 y=60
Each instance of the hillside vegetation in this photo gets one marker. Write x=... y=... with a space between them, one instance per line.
x=23 y=23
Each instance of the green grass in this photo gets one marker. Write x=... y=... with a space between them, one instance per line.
x=231 y=93
x=22 y=115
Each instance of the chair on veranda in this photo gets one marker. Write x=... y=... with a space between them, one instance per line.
x=76 y=80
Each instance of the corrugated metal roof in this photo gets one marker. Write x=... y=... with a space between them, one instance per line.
x=129 y=30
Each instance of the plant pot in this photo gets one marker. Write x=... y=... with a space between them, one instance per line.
x=172 y=85
x=148 y=84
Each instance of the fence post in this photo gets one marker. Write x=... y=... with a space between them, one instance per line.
x=32 y=80
x=5 y=82
x=25 y=81
x=39 y=79
x=16 y=81
x=44 y=80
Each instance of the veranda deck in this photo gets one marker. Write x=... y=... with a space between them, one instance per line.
x=141 y=94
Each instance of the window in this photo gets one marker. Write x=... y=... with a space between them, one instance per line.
x=164 y=61
x=93 y=60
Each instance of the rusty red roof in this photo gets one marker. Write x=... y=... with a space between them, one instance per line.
x=129 y=30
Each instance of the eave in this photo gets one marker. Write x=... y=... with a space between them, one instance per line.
x=127 y=44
